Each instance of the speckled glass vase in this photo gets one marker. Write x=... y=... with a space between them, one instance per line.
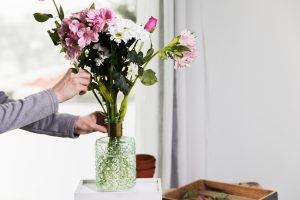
x=115 y=161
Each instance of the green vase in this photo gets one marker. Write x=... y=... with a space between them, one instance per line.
x=115 y=161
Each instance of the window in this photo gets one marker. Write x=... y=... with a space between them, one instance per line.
x=41 y=167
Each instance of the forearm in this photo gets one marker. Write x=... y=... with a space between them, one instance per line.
x=59 y=125
x=21 y=113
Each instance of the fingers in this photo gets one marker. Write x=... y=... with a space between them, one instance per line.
x=82 y=89
x=99 y=128
x=83 y=81
x=99 y=118
x=84 y=74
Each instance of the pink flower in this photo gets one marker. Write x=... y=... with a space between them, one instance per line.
x=186 y=60
x=64 y=29
x=107 y=15
x=187 y=39
x=81 y=16
x=86 y=36
x=75 y=26
x=72 y=52
x=94 y=19
x=71 y=40
x=151 y=24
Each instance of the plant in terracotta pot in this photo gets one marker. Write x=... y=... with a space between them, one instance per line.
x=145 y=166
x=113 y=50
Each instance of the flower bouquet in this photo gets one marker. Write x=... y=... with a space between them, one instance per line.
x=112 y=49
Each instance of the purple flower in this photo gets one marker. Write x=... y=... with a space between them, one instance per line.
x=86 y=36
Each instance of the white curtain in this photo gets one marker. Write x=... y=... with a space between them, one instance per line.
x=172 y=116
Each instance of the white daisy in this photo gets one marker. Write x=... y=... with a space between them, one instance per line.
x=124 y=30
x=132 y=70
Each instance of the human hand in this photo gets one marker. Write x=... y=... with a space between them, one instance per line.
x=72 y=84
x=90 y=123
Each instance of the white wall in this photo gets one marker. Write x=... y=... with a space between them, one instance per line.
x=253 y=61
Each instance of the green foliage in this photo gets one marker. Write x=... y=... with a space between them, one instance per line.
x=190 y=194
x=222 y=196
x=148 y=55
x=61 y=13
x=93 y=6
x=173 y=51
x=138 y=57
x=140 y=71
x=174 y=41
x=105 y=93
x=121 y=83
x=123 y=108
x=54 y=36
x=148 y=78
x=42 y=17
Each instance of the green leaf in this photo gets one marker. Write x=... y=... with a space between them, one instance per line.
x=93 y=6
x=190 y=194
x=121 y=83
x=148 y=78
x=182 y=48
x=42 y=17
x=54 y=37
x=132 y=56
x=123 y=108
x=104 y=92
x=61 y=13
x=222 y=196
x=174 y=41
x=163 y=55
x=140 y=71
x=63 y=50
x=140 y=58
x=57 y=24
x=149 y=54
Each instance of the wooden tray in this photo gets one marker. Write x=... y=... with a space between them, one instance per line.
x=212 y=188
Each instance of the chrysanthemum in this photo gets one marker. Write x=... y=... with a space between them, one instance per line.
x=124 y=30
x=187 y=39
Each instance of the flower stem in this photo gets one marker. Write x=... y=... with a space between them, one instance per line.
x=55 y=6
x=99 y=102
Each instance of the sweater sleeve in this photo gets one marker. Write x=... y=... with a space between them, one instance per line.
x=36 y=113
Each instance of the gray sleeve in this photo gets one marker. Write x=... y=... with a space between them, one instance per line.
x=60 y=125
x=36 y=113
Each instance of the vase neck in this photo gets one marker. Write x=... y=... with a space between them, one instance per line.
x=114 y=129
